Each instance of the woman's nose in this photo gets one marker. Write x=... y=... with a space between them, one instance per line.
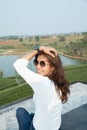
x=38 y=66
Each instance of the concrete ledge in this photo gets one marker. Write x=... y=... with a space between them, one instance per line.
x=75 y=119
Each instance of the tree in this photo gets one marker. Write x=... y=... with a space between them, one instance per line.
x=84 y=39
x=37 y=38
x=62 y=38
x=1 y=73
x=21 y=40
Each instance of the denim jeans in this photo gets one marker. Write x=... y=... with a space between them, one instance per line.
x=25 y=119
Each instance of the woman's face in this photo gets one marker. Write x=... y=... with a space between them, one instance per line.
x=43 y=66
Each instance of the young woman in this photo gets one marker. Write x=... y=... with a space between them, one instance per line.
x=50 y=88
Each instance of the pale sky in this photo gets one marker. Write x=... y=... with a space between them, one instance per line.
x=41 y=17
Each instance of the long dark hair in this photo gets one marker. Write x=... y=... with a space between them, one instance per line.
x=57 y=75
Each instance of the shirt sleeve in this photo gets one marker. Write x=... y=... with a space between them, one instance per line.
x=33 y=79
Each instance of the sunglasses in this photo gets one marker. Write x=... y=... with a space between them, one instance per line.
x=41 y=63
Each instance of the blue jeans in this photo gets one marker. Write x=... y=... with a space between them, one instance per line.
x=25 y=119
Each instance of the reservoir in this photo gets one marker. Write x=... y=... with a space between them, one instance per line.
x=6 y=63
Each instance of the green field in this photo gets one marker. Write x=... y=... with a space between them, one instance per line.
x=76 y=73
x=11 y=91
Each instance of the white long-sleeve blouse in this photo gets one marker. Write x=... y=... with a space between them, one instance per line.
x=48 y=105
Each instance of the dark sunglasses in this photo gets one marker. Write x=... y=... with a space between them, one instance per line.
x=41 y=63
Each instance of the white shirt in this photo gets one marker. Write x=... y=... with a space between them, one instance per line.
x=48 y=105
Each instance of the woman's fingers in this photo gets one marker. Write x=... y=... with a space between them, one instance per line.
x=49 y=50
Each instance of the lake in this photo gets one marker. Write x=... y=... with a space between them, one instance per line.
x=6 y=63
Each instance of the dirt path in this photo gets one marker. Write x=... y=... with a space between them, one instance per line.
x=74 y=57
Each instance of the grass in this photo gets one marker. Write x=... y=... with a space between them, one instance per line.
x=16 y=93
x=12 y=91
x=6 y=83
x=76 y=73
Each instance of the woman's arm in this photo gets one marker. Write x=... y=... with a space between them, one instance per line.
x=30 y=77
x=45 y=49
x=30 y=55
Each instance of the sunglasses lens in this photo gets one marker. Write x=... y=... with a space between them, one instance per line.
x=42 y=63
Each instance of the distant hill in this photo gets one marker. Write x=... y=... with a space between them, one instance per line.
x=74 y=44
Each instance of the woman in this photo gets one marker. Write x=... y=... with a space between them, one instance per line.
x=50 y=88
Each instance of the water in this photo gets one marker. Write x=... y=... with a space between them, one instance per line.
x=71 y=61
x=6 y=64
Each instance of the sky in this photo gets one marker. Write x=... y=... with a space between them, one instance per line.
x=42 y=17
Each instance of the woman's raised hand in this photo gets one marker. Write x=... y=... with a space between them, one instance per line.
x=48 y=50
